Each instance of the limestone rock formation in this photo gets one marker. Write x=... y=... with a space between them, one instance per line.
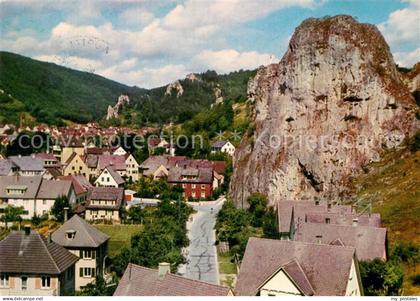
x=112 y=112
x=333 y=104
x=175 y=85
x=192 y=77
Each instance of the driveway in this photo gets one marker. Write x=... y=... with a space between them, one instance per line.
x=201 y=254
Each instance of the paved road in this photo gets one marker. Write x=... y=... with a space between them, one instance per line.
x=201 y=253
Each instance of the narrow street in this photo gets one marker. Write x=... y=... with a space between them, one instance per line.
x=201 y=254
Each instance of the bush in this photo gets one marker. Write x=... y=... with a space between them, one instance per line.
x=415 y=280
x=406 y=252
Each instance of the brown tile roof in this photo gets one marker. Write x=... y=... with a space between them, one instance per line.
x=118 y=162
x=298 y=210
x=326 y=267
x=115 y=175
x=86 y=235
x=295 y=272
x=373 y=220
x=80 y=183
x=141 y=281
x=33 y=254
x=31 y=184
x=370 y=242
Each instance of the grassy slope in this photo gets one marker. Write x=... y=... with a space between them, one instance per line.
x=120 y=236
x=393 y=187
x=51 y=92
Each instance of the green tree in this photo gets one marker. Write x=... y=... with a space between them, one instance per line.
x=11 y=214
x=258 y=208
x=97 y=288
x=57 y=209
x=269 y=224
x=380 y=278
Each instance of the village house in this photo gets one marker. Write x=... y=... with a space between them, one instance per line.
x=32 y=265
x=88 y=243
x=81 y=186
x=196 y=182
x=290 y=268
x=109 y=178
x=141 y=281
x=104 y=203
x=370 y=242
x=35 y=194
x=65 y=149
x=76 y=166
x=222 y=146
x=28 y=166
x=156 y=167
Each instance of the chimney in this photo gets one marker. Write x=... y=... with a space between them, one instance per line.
x=355 y=222
x=66 y=210
x=27 y=229
x=164 y=268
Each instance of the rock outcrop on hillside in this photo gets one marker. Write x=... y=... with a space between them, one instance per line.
x=112 y=112
x=333 y=104
x=176 y=85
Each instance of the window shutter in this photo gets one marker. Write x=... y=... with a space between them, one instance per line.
x=81 y=254
x=81 y=272
x=93 y=272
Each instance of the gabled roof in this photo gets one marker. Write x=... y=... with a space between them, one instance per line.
x=86 y=235
x=115 y=175
x=296 y=274
x=346 y=219
x=91 y=160
x=6 y=167
x=326 y=267
x=219 y=143
x=80 y=183
x=141 y=281
x=33 y=254
x=370 y=242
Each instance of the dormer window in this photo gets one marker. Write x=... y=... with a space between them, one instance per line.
x=16 y=190
x=70 y=234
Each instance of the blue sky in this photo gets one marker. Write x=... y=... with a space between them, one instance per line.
x=150 y=43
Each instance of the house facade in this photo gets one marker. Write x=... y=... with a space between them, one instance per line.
x=88 y=243
x=223 y=147
x=35 y=194
x=196 y=182
x=104 y=203
x=32 y=265
x=109 y=178
x=76 y=166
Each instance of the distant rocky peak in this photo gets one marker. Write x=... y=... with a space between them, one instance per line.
x=176 y=85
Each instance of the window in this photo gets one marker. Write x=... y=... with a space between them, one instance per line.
x=4 y=280
x=87 y=254
x=203 y=186
x=193 y=194
x=44 y=202
x=24 y=282
x=87 y=272
x=193 y=186
x=327 y=220
x=45 y=282
x=203 y=195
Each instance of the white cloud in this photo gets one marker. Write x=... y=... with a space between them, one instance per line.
x=227 y=60
x=136 y=17
x=147 y=77
x=407 y=59
x=403 y=25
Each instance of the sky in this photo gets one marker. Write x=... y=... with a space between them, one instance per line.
x=151 y=43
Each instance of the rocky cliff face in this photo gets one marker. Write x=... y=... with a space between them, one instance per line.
x=112 y=112
x=333 y=104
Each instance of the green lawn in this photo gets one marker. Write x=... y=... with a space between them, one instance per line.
x=225 y=265
x=120 y=236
